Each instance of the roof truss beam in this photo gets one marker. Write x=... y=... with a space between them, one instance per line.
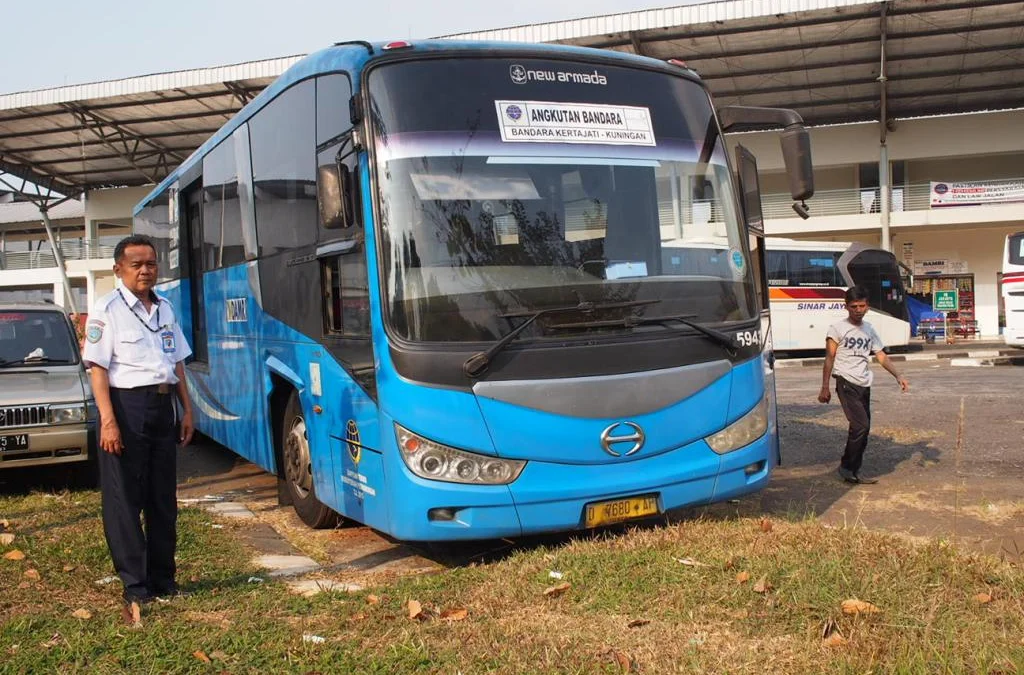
x=120 y=140
x=227 y=113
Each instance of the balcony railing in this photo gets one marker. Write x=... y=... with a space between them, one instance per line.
x=27 y=260
x=854 y=201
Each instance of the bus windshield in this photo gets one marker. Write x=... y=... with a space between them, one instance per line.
x=511 y=186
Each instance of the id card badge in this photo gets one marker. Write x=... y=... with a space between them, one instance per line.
x=167 y=339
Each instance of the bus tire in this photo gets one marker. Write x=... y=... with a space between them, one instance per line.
x=298 y=469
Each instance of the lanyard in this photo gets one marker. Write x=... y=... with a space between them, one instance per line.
x=144 y=322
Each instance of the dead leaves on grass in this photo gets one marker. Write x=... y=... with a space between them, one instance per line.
x=417 y=612
x=6 y=539
x=983 y=598
x=621 y=659
x=82 y=614
x=856 y=607
x=14 y=555
x=32 y=574
x=555 y=591
x=742 y=577
x=763 y=585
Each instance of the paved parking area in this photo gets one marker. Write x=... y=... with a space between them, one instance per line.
x=949 y=456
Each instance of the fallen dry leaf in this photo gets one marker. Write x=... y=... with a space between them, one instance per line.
x=219 y=655
x=32 y=574
x=201 y=655
x=766 y=525
x=14 y=555
x=6 y=539
x=834 y=640
x=82 y=614
x=358 y=616
x=983 y=598
x=455 y=614
x=555 y=591
x=854 y=606
x=636 y=623
x=24 y=584
x=762 y=585
x=416 y=610
x=730 y=563
x=69 y=568
x=4 y=523
x=743 y=577
x=620 y=659
x=372 y=600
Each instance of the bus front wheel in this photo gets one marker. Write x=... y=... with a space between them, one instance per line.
x=298 y=469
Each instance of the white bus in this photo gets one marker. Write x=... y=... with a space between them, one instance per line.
x=807 y=281
x=1013 y=289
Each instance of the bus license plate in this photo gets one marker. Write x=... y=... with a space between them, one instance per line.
x=15 y=442
x=618 y=510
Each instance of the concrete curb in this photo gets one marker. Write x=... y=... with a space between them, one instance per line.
x=1000 y=354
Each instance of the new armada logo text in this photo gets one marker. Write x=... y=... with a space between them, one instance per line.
x=521 y=75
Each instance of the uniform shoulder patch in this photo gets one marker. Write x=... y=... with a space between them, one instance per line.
x=94 y=330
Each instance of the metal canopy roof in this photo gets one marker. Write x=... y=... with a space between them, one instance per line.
x=832 y=60
x=123 y=132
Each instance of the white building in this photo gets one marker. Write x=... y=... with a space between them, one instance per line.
x=903 y=96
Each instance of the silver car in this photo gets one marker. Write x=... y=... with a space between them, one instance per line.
x=47 y=412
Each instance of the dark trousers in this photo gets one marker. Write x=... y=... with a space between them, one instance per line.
x=142 y=479
x=856 y=402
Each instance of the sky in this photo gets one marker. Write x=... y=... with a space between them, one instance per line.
x=82 y=41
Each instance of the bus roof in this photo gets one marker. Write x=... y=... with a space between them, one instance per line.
x=353 y=56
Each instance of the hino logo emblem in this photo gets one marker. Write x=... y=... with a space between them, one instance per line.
x=608 y=440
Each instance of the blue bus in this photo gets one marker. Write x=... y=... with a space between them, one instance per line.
x=423 y=286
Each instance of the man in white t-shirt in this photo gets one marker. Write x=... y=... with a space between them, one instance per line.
x=848 y=350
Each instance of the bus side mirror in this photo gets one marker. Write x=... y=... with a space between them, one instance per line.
x=796 y=153
x=334 y=196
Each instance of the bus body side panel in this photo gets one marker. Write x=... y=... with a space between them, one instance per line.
x=227 y=396
x=894 y=332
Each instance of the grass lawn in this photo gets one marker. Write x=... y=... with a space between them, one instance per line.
x=722 y=596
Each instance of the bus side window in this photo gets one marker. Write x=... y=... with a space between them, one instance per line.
x=777 y=273
x=346 y=294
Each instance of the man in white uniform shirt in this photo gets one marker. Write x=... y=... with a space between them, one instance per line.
x=848 y=350
x=136 y=351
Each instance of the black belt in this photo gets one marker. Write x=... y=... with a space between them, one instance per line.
x=150 y=389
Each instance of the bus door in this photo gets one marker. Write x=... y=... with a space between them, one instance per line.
x=193 y=230
x=358 y=476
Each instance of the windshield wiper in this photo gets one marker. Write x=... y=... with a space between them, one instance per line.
x=4 y=363
x=718 y=336
x=476 y=364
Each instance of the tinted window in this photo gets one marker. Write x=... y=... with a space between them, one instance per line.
x=154 y=222
x=332 y=112
x=813 y=268
x=283 y=141
x=778 y=272
x=222 y=214
x=35 y=337
x=1017 y=249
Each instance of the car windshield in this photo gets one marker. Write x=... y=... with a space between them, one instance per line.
x=510 y=186
x=36 y=337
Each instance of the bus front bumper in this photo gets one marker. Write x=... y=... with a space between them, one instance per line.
x=550 y=497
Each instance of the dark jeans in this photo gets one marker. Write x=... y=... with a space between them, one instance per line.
x=142 y=479
x=856 y=402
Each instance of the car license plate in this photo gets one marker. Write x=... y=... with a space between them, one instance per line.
x=618 y=510
x=14 y=442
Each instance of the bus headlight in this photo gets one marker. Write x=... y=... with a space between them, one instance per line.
x=67 y=414
x=743 y=431
x=431 y=460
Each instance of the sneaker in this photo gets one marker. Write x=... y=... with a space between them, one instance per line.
x=169 y=593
